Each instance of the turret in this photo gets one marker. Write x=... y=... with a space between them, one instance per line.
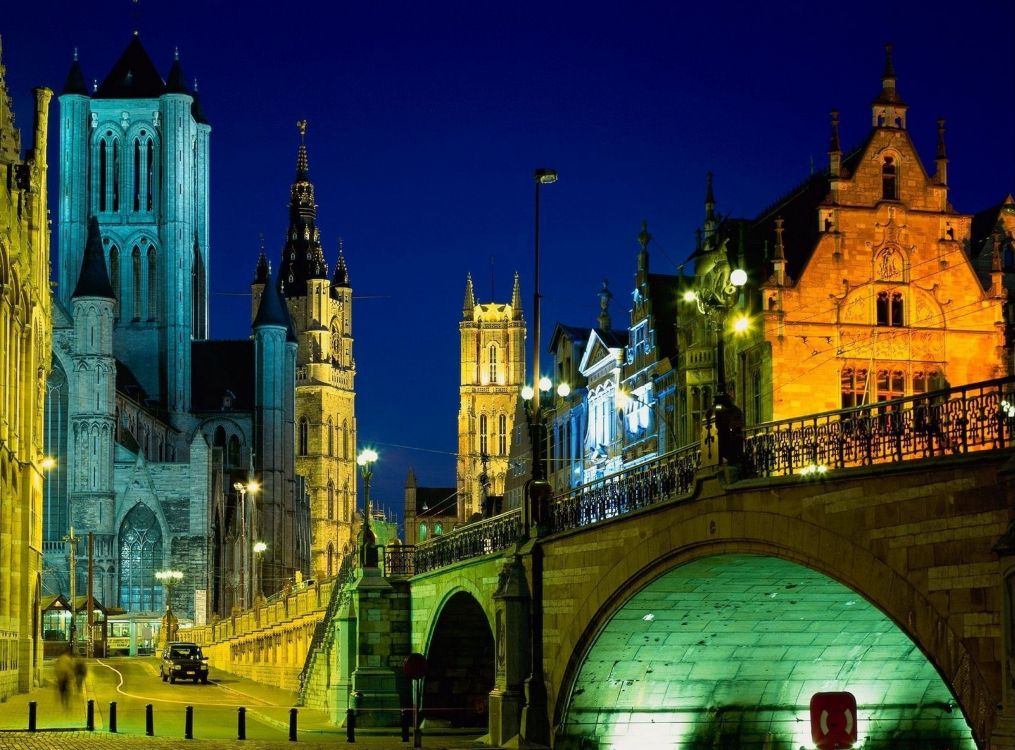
x=516 y=298
x=261 y=274
x=888 y=110
x=469 y=304
x=75 y=134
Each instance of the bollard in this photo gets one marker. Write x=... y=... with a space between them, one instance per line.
x=350 y=725
x=90 y=716
x=406 y=715
x=112 y=717
x=188 y=724
x=241 y=723
x=292 y=724
x=32 y=714
x=149 y=720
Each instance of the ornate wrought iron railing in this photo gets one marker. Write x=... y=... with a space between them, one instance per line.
x=957 y=420
x=400 y=560
x=661 y=478
x=474 y=540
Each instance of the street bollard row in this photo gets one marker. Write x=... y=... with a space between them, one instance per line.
x=188 y=731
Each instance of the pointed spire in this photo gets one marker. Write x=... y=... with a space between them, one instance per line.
x=516 y=297
x=889 y=73
x=941 y=158
x=470 y=298
x=780 y=249
x=196 y=111
x=75 y=83
x=175 y=81
x=710 y=215
x=302 y=163
x=272 y=309
x=263 y=270
x=94 y=278
x=302 y=256
x=889 y=111
x=643 y=239
x=605 y=295
x=133 y=76
x=341 y=277
x=834 y=149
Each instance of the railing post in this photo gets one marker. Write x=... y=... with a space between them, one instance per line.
x=149 y=720
x=292 y=724
x=112 y=717
x=188 y=723
x=33 y=714
x=350 y=725
x=241 y=723
x=90 y=715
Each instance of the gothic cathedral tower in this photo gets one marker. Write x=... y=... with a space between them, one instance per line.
x=134 y=153
x=321 y=311
x=493 y=372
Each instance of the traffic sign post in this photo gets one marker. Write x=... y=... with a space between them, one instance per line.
x=833 y=720
x=415 y=667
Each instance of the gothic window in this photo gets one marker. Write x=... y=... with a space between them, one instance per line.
x=136 y=206
x=234 y=450
x=331 y=500
x=756 y=394
x=116 y=175
x=482 y=434
x=346 y=510
x=336 y=340
x=890 y=309
x=345 y=439
x=150 y=172
x=331 y=437
x=140 y=556
x=114 y=278
x=492 y=362
x=197 y=294
x=889 y=183
x=103 y=177
x=153 y=286
x=438 y=528
x=135 y=273
x=220 y=437
x=304 y=438
x=853 y=386
x=331 y=559
x=502 y=435
x=422 y=532
x=55 y=511
x=891 y=384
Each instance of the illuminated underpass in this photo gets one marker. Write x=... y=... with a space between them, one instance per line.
x=725 y=652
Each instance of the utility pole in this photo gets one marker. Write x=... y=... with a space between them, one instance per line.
x=72 y=554
x=90 y=647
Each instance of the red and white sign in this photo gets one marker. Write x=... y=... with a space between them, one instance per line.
x=833 y=720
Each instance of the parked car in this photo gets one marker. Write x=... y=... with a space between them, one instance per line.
x=183 y=660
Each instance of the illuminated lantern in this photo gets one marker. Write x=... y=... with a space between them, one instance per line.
x=833 y=720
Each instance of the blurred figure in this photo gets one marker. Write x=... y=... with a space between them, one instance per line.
x=64 y=670
x=80 y=672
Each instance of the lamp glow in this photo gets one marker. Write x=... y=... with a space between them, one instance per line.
x=738 y=277
x=528 y=392
x=366 y=456
x=741 y=324
x=563 y=390
x=544 y=384
x=260 y=547
x=48 y=463
x=690 y=295
x=253 y=487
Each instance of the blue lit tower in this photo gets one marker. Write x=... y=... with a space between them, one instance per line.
x=134 y=153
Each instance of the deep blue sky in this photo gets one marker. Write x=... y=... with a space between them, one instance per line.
x=427 y=118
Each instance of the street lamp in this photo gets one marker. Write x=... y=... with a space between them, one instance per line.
x=251 y=487
x=169 y=579
x=368 y=542
x=715 y=297
x=259 y=548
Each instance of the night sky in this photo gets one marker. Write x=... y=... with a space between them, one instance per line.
x=426 y=120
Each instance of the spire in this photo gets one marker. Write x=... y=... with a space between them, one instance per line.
x=604 y=302
x=341 y=277
x=516 y=298
x=196 y=110
x=302 y=256
x=710 y=216
x=263 y=270
x=75 y=83
x=302 y=164
x=889 y=110
x=834 y=149
x=175 y=82
x=470 y=298
x=94 y=278
x=272 y=311
x=133 y=76
x=643 y=239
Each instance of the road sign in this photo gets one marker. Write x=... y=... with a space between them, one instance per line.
x=833 y=720
x=415 y=666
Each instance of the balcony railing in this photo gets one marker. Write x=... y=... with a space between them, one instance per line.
x=975 y=417
x=400 y=560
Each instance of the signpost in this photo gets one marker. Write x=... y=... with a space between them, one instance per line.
x=833 y=720
x=415 y=667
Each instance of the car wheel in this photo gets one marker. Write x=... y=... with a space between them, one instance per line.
x=172 y=679
x=204 y=680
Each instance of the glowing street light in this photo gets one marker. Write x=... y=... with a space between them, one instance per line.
x=169 y=578
x=368 y=542
x=259 y=549
x=250 y=487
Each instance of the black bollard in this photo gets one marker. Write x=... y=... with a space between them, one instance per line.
x=90 y=716
x=149 y=720
x=406 y=714
x=241 y=723
x=188 y=723
x=112 y=717
x=33 y=708
x=350 y=725
x=292 y=724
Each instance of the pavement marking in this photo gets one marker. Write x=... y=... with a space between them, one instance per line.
x=152 y=699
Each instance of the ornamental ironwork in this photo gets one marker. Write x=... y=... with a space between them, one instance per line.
x=475 y=540
x=399 y=560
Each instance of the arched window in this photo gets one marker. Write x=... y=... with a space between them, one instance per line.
x=114 y=278
x=345 y=439
x=103 y=177
x=853 y=387
x=55 y=511
x=331 y=500
x=153 y=283
x=331 y=437
x=889 y=183
x=304 y=438
x=482 y=434
x=336 y=341
x=220 y=437
x=346 y=510
x=234 y=450
x=502 y=434
x=116 y=175
x=135 y=272
x=197 y=295
x=140 y=546
x=150 y=172
x=438 y=528
x=890 y=309
x=492 y=362
x=331 y=559
x=136 y=205
x=422 y=532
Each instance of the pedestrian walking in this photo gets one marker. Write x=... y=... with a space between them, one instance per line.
x=64 y=670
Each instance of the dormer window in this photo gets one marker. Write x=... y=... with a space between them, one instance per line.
x=889 y=181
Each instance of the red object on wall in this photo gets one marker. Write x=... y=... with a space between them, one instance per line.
x=833 y=720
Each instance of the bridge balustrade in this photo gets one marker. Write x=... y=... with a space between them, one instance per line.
x=975 y=417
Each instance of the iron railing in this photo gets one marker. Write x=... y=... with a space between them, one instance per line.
x=975 y=417
x=474 y=540
x=952 y=421
x=400 y=560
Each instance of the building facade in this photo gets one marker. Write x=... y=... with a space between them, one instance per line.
x=25 y=312
x=159 y=430
x=492 y=375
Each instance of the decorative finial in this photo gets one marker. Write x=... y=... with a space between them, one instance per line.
x=643 y=236
x=833 y=143
x=260 y=237
x=176 y=54
x=195 y=84
x=301 y=126
x=341 y=247
x=889 y=67
x=605 y=295
x=75 y=54
x=95 y=85
x=941 y=138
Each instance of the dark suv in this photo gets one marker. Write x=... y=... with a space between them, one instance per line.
x=183 y=660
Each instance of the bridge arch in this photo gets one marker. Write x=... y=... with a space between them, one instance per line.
x=460 y=655
x=708 y=530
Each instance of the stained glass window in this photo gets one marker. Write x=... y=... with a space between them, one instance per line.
x=140 y=557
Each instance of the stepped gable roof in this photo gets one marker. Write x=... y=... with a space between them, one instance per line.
x=93 y=281
x=133 y=76
x=75 y=83
x=437 y=501
x=220 y=366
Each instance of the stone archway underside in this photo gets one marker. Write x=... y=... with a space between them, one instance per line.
x=726 y=651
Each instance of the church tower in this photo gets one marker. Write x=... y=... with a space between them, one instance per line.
x=325 y=414
x=134 y=154
x=492 y=374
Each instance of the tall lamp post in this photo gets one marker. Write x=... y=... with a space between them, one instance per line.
x=259 y=549
x=169 y=579
x=367 y=542
x=246 y=531
x=715 y=298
